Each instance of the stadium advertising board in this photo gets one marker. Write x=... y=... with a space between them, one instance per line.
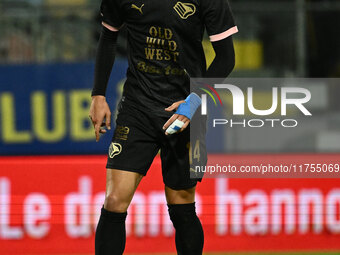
x=44 y=108
x=51 y=205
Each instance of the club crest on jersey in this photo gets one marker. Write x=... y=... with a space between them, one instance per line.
x=115 y=149
x=185 y=10
x=133 y=6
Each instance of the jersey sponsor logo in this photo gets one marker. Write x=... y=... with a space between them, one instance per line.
x=115 y=149
x=185 y=10
x=133 y=6
x=161 y=45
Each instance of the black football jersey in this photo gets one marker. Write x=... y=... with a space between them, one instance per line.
x=165 y=44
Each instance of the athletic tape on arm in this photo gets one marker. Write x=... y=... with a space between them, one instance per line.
x=175 y=127
x=188 y=109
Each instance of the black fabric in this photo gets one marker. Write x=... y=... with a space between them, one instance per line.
x=165 y=45
x=105 y=57
x=224 y=60
x=110 y=234
x=222 y=65
x=217 y=16
x=138 y=137
x=111 y=13
x=189 y=232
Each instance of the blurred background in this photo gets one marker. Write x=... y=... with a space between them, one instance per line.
x=281 y=38
x=51 y=190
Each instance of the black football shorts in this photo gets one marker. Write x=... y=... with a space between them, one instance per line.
x=139 y=136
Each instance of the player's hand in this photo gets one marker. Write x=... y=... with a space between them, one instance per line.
x=99 y=110
x=175 y=117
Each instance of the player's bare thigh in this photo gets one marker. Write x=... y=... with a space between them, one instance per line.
x=186 y=196
x=120 y=188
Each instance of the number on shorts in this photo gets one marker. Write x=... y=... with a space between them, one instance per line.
x=197 y=153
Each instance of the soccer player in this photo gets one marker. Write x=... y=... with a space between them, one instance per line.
x=165 y=50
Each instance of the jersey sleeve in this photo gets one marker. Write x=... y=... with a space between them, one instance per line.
x=218 y=19
x=111 y=14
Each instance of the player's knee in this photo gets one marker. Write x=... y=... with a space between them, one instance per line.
x=186 y=195
x=180 y=196
x=115 y=203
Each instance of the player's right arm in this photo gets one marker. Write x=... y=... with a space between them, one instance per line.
x=104 y=62
x=99 y=109
x=106 y=51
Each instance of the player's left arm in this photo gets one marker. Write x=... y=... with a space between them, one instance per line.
x=224 y=61
x=221 y=66
x=185 y=109
x=220 y=25
x=177 y=122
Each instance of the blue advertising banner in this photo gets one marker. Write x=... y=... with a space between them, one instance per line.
x=44 y=108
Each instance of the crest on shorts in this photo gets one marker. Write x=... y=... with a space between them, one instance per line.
x=115 y=149
x=185 y=10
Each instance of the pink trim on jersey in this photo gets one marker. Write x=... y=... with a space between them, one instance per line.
x=110 y=27
x=221 y=36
